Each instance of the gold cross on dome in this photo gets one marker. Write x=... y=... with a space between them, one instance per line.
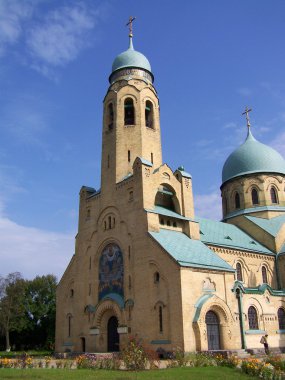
x=246 y=112
x=130 y=25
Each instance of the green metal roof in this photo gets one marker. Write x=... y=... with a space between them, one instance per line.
x=188 y=252
x=131 y=58
x=253 y=209
x=272 y=226
x=166 y=212
x=252 y=157
x=258 y=290
x=145 y=162
x=228 y=235
x=204 y=298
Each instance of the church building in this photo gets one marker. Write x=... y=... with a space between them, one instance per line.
x=145 y=265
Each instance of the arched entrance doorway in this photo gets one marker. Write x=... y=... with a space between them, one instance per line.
x=113 y=336
x=213 y=331
x=83 y=344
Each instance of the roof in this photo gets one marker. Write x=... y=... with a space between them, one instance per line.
x=272 y=226
x=131 y=58
x=166 y=212
x=252 y=210
x=252 y=157
x=188 y=252
x=228 y=235
x=145 y=162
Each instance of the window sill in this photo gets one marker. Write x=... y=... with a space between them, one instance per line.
x=254 y=332
x=280 y=332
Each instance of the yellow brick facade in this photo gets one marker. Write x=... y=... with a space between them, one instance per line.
x=158 y=298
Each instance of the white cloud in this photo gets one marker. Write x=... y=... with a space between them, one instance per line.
x=28 y=250
x=61 y=36
x=32 y=251
x=208 y=205
x=12 y=15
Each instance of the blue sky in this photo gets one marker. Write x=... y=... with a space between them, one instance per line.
x=210 y=59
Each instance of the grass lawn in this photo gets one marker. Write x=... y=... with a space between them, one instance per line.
x=206 y=373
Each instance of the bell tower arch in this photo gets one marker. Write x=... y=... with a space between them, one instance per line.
x=131 y=125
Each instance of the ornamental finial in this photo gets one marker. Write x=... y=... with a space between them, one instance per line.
x=130 y=25
x=246 y=112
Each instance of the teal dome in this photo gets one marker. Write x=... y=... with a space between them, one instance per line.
x=131 y=58
x=252 y=157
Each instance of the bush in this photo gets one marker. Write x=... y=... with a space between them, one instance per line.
x=135 y=356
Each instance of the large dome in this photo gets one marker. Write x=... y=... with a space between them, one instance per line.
x=131 y=58
x=252 y=157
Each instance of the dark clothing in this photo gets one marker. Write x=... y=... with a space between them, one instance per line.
x=266 y=348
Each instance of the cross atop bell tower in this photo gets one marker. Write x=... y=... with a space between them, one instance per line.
x=246 y=112
x=130 y=25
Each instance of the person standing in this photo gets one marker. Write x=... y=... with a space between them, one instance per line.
x=264 y=341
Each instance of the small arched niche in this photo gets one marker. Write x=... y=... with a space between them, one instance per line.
x=149 y=120
x=166 y=197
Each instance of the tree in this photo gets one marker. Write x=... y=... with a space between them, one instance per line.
x=12 y=292
x=40 y=308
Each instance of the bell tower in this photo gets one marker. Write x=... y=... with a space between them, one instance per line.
x=131 y=126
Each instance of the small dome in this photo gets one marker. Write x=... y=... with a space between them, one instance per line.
x=131 y=58
x=252 y=157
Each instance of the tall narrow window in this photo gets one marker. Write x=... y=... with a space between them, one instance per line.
x=130 y=282
x=264 y=275
x=160 y=319
x=151 y=158
x=237 y=200
x=110 y=116
x=254 y=197
x=156 y=277
x=109 y=222
x=273 y=195
x=69 y=325
x=252 y=318
x=149 y=114
x=108 y=161
x=281 y=318
x=239 y=272
x=129 y=156
x=129 y=112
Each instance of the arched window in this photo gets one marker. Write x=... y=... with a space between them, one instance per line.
x=273 y=195
x=239 y=272
x=264 y=275
x=254 y=197
x=149 y=114
x=237 y=200
x=129 y=112
x=165 y=197
x=160 y=319
x=252 y=318
x=69 y=325
x=156 y=277
x=281 y=318
x=110 y=116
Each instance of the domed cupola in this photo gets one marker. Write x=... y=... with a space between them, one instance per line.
x=131 y=58
x=253 y=179
x=252 y=157
x=131 y=62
